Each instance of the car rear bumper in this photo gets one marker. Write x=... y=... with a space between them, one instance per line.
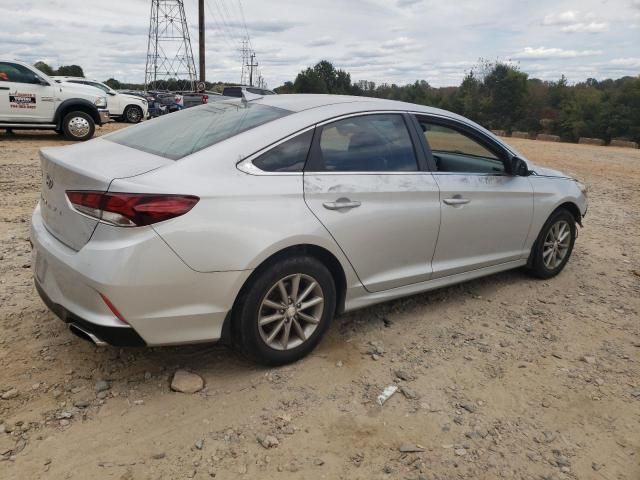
x=116 y=336
x=162 y=301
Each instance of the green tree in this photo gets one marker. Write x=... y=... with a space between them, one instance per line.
x=70 y=71
x=113 y=83
x=504 y=90
x=44 y=68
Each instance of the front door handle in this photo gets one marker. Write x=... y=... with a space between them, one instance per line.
x=456 y=201
x=341 y=204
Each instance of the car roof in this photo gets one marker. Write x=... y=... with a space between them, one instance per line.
x=328 y=106
x=298 y=102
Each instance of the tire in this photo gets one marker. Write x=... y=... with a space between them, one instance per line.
x=542 y=263
x=253 y=306
x=78 y=126
x=133 y=114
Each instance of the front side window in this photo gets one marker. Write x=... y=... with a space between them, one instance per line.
x=191 y=130
x=12 y=72
x=370 y=143
x=289 y=156
x=453 y=151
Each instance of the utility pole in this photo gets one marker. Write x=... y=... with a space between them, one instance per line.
x=201 y=39
x=251 y=65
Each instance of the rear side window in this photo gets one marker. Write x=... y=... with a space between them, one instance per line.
x=182 y=133
x=370 y=143
x=289 y=156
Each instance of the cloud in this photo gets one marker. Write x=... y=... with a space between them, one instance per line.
x=543 y=53
x=563 y=18
x=407 y=3
x=629 y=62
x=266 y=26
x=22 y=39
x=573 y=21
x=132 y=30
x=320 y=42
x=592 y=27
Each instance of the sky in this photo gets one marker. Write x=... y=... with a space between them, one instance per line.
x=393 y=41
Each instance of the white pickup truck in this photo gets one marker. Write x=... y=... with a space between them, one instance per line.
x=123 y=107
x=29 y=99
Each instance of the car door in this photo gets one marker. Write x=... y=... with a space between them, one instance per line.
x=366 y=182
x=24 y=96
x=486 y=212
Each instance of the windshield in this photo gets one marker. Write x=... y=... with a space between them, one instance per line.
x=100 y=86
x=182 y=133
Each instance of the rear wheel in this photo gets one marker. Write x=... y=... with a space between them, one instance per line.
x=285 y=310
x=78 y=126
x=133 y=114
x=554 y=245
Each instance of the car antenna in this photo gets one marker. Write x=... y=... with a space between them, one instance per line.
x=249 y=97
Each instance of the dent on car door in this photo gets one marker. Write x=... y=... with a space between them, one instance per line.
x=486 y=212
x=363 y=181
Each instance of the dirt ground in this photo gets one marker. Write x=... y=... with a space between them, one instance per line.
x=503 y=377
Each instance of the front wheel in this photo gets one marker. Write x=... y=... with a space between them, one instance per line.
x=554 y=245
x=78 y=126
x=133 y=114
x=285 y=310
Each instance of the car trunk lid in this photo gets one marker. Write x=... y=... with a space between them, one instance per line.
x=86 y=166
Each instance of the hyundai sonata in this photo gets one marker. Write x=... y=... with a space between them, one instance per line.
x=257 y=221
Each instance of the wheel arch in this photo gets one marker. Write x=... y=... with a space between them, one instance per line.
x=572 y=208
x=76 y=104
x=315 y=251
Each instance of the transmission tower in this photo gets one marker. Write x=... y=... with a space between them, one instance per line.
x=244 y=76
x=169 y=54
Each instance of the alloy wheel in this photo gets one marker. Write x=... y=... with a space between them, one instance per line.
x=291 y=311
x=556 y=244
x=133 y=115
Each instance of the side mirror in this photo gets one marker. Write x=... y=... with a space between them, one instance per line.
x=113 y=94
x=519 y=167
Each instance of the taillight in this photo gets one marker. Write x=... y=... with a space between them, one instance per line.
x=131 y=209
x=205 y=98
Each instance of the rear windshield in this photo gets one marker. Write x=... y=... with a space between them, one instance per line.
x=182 y=133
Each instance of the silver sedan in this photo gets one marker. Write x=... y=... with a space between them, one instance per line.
x=258 y=220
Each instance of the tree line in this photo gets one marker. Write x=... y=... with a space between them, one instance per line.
x=500 y=96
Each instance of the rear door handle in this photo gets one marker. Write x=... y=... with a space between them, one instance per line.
x=341 y=204
x=456 y=201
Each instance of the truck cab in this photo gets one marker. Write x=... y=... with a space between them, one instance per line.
x=29 y=99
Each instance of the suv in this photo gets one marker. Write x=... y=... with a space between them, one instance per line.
x=236 y=91
x=29 y=99
x=124 y=107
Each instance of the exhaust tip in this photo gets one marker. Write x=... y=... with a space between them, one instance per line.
x=79 y=332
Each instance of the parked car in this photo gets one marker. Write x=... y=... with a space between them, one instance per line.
x=29 y=99
x=124 y=107
x=237 y=91
x=293 y=209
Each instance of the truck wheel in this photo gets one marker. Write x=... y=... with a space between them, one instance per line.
x=133 y=114
x=78 y=126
